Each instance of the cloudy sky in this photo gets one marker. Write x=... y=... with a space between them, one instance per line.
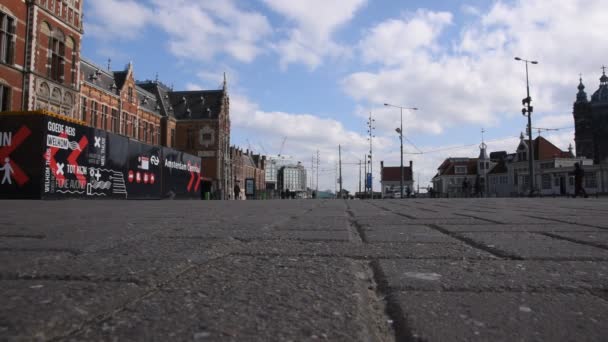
x=313 y=70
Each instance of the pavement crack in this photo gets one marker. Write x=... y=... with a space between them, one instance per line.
x=569 y=239
x=393 y=310
x=68 y=277
x=494 y=251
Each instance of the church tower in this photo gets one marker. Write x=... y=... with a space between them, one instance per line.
x=583 y=136
x=599 y=118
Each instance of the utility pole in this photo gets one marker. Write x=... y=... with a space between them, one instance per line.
x=340 y=167
x=365 y=172
x=370 y=130
x=527 y=110
x=318 y=162
x=359 y=176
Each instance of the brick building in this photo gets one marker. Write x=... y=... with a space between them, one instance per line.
x=248 y=165
x=41 y=68
x=591 y=122
x=114 y=102
x=198 y=122
x=390 y=179
x=40 y=54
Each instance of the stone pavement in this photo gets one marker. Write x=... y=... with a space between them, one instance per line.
x=382 y=270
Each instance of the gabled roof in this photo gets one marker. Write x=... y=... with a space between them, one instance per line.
x=544 y=149
x=393 y=174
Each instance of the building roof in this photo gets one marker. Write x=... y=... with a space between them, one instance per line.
x=393 y=174
x=97 y=76
x=448 y=167
x=161 y=92
x=198 y=104
x=147 y=100
x=500 y=167
x=544 y=149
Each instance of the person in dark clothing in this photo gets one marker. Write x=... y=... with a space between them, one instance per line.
x=465 y=187
x=477 y=186
x=579 y=174
x=408 y=192
x=237 y=191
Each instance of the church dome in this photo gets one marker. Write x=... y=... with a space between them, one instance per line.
x=601 y=95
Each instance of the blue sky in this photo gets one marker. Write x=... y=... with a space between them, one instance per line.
x=312 y=70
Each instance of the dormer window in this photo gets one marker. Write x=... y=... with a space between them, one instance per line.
x=460 y=170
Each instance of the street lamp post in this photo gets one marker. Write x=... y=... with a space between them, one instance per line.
x=527 y=110
x=400 y=131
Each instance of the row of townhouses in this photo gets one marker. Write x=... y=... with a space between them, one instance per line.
x=504 y=174
x=41 y=68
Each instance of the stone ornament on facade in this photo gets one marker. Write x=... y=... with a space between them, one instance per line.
x=206 y=136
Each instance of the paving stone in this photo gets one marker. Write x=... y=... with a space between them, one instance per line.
x=40 y=310
x=421 y=234
x=532 y=246
x=457 y=316
x=249 y=299
x=494 y=275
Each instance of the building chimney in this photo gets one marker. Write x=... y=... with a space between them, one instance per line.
x=411 y=165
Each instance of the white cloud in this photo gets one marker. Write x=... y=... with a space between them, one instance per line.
x=393 y=41
x=314 y=23
x=116 y=19
x=473 y=80
x=202 y=30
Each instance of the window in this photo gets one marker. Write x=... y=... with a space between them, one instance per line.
x=123 y=123
x=145 y=131
x=93 y=113
x=190 y=138
x=556 y=181
x=114 y=120
x=590 y=180
x=172 y=137
x=5 y=98
x=104 y=116
x=460 y=170
x=84 y=109
x=7 y=38
x=57 y=59
x=130 y=94
x=546 y=180
x=134 y=128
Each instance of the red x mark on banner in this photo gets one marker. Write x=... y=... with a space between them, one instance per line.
x=18 y=174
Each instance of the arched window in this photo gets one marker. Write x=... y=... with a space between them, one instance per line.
x=57 y=58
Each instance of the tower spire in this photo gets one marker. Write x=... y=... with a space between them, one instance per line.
x=581 y=96
x=224 y=84
x=604 y=78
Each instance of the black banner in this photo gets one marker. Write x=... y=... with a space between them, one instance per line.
x=107 y=160
x=21 y=155
x=181 y=175
x=143 y=175
x=65 y=168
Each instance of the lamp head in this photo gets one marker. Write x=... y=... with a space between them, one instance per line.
x=386 y=104
x=534 y=62
x=517 y=59
x=398 y=130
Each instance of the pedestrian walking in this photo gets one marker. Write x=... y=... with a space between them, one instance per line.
x=477 y=186
x=237 y=191
x=465 y=187
x=579 y=174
